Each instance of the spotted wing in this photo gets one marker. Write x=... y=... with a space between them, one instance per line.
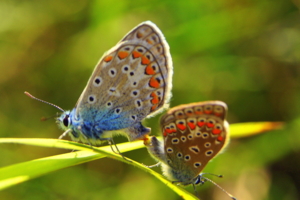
x=194 y=134
x=130 y=82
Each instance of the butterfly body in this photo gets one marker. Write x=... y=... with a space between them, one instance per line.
x=132 y=81
x=192 y=135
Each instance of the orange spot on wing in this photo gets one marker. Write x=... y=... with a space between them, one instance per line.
x=210 y=125
x=149 y=70
x=208 y=111
x=191 y=125
x=218 y=114
x=108 y=58
x=145 y=60
x=155 y=99
x=149 y=41
x=216 y=131
x=220 y=138
x=136 y=54
x=181 y=126
x=154 y=82
x=153 y=107
x=201 y=123
x=168 y=130
x=139 y=35
x=189 y=113
x=165 y=133
x=123 y=54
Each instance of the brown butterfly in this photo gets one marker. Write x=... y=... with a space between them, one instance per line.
x=193 y=134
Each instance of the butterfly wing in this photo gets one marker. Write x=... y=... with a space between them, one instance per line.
x=130 y=82
x=193 y=134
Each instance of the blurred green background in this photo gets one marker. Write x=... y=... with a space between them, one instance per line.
x=243 y=52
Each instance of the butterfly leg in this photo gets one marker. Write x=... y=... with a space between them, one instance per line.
x=196 y=192
x=112 y=143
x=156 y=149
x=76 y=137
x=155 y=165
x=64 y=134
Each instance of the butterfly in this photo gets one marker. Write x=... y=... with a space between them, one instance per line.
x=132 y=81
x=193 y=134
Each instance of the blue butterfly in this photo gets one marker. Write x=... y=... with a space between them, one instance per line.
x=132 y=81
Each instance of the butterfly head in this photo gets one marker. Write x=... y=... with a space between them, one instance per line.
x=71 y=127
x=64 y=121
x=182 y=176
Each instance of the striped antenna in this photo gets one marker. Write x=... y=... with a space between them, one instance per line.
x=51 y=104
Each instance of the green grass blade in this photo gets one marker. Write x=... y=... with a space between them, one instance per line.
x=253 y=128
x=21 y=172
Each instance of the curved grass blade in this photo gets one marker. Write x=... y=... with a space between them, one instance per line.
x=21 y=172
x=253 y=128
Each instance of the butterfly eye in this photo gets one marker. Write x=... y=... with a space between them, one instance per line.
x=66 y=121
x=198 y=179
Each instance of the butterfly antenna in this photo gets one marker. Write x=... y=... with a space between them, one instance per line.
x=217 y=175
x=207 y=179
x=51 y=104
